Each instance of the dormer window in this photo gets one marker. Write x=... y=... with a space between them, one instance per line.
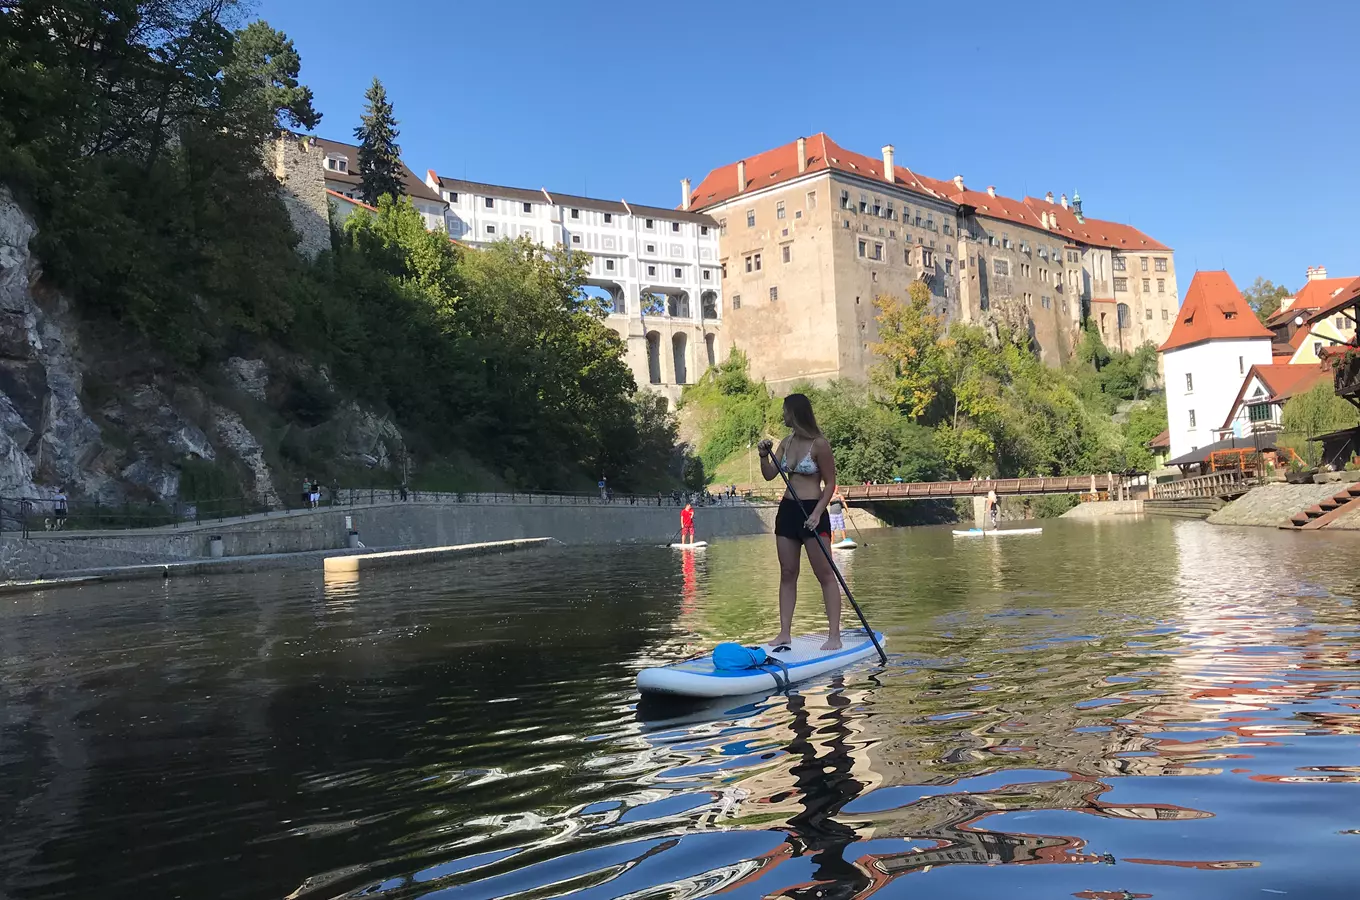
x=337 y=163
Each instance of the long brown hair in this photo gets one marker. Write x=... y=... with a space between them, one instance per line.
x=799 y=408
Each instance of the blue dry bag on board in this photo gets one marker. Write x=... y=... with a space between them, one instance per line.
x=734 y=656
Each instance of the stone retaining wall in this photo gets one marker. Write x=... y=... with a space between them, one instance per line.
x=1102 y=508
x=393 y=525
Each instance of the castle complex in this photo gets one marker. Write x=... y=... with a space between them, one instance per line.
x=782 y=254
x=811 y=233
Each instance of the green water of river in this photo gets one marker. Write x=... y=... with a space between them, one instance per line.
x=1115 y=709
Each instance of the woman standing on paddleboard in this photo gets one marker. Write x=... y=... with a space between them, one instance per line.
x=805 y=457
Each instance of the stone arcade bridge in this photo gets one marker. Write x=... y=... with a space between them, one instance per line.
x=1004 y=487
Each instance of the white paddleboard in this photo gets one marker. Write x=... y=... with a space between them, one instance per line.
x=804 y=659
x=845 y=544
x=697 y=545
x=998 y=532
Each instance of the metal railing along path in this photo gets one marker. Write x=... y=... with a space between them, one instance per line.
x=28 y=516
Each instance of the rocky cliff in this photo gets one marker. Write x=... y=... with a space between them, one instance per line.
x=90 y=410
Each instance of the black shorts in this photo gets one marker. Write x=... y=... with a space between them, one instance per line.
x=790 y=521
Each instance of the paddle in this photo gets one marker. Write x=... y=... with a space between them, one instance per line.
x=883 y=657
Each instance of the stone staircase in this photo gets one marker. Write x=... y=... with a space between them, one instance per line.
x=1188 y=508
x=1322 y=514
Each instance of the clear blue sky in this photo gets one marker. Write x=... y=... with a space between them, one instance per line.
x=1230 y=131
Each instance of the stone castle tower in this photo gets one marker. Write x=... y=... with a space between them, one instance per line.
x=297 y=163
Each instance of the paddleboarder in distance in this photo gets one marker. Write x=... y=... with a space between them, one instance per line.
x=805 y=455
x=837 y=510
x=687 y=524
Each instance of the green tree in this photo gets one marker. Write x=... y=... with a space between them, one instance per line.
x=263 y=70
x=909 y=345
x=1264 y=296
x=872 y=441
x=1145 y=423
x=380 y=166
x=1318 y=411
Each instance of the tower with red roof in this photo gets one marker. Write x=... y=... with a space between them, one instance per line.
x=1212 y=346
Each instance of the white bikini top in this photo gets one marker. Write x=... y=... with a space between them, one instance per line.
x=806 y=466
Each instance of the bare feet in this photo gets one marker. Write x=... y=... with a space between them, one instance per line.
x=780 y=641
x=833 y=643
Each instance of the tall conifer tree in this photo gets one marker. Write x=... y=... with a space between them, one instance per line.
x=379 y=154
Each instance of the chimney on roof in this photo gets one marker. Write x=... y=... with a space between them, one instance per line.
x=741 y=176
x=1064 y=201
x=684 y=193
x=888 y=172
x=802 y=155
x=1317 y=273
x=1049 y=196
x=958 y=183
x=991 y=190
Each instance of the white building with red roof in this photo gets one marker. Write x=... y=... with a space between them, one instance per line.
x=1214 y=343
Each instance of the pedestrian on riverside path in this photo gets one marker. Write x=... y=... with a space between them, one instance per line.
x=335 y=491
x=687 y=524
x=59 y=509
x=805 y=456
x=306 y=491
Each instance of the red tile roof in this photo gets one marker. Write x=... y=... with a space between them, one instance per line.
x=1161 y=441
x=339 y=196
x=1213 y=311
x=781 y=164
x=997 y=207
x=1284 y=382
x=1313 y=296
x=1096 y=232
x=1349 y=295
x=1281 y=380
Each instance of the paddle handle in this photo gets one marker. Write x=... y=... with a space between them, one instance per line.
x=883 y=657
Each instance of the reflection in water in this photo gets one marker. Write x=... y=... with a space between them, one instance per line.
x=1111 y=710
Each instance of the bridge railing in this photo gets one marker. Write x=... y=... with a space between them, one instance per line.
x=923 y=490
x=1216 y=484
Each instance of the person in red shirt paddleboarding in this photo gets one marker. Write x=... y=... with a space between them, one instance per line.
x=687 y=524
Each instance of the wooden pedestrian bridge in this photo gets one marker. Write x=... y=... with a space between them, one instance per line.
x=978 y=487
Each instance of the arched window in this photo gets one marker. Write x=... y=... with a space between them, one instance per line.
x=654 y=357
x=710 y=344
x=709 y=302
x=1124 y=319
x=678 y=348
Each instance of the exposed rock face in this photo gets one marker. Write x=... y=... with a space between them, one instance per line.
x=42 y=417
x=249 y=376
x=233 y=435
x=368 y=438
x=48 y=439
